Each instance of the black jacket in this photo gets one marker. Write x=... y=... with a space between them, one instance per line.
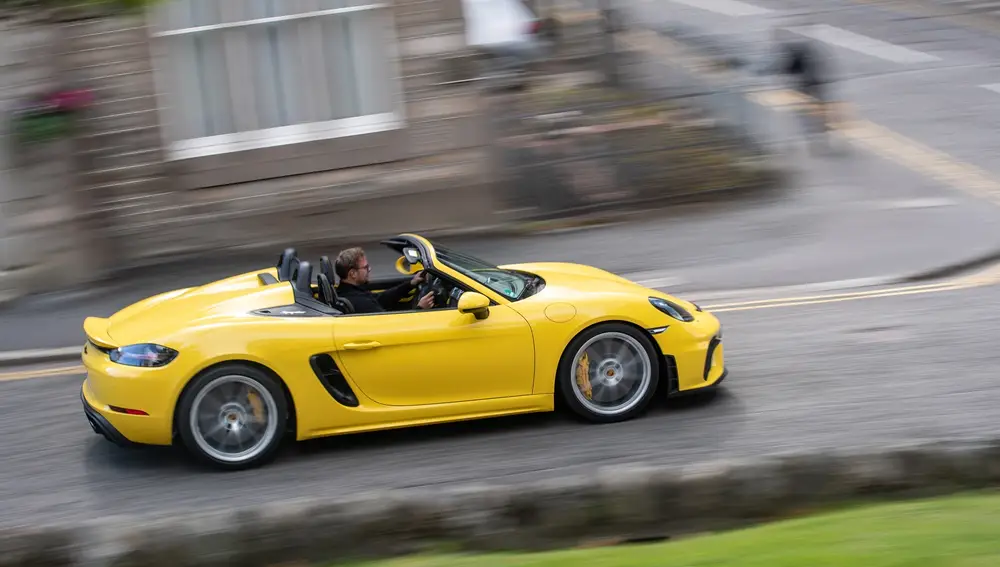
x=365 y=301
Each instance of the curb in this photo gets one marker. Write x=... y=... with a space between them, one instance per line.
x=953 y=269
x=624 y=503
x=39 y=356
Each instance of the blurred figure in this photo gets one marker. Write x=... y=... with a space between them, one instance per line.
x=509 y=34
x=807 y=65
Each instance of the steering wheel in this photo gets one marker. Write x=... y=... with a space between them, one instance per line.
x=433 y=285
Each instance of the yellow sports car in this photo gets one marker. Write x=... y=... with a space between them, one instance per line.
x=233 y=368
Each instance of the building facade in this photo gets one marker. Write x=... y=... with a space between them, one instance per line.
x=243 y=123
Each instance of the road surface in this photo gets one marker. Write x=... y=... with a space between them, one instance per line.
x=898 y=367
x=805 y=374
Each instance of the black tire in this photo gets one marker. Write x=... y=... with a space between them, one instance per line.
x=643 y=395
x=273 y=399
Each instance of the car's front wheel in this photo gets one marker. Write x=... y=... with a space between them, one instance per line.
x=609 y=373
x=233 y=417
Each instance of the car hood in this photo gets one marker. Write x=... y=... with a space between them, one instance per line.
x=159 y=317
x=565 y=280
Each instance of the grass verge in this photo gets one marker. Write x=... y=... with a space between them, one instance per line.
x=960 y=531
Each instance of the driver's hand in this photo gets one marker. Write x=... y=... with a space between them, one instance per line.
x=419 y=278
x=427 y=301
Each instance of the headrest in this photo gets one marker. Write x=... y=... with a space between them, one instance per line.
x=325 y=289
x=285 y=262
x=303 y=279
x=326 y=268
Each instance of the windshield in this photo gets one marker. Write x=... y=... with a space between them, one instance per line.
x=510 y=284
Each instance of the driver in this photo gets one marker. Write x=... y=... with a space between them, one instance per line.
x=353 y=269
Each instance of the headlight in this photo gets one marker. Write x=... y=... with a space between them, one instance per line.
x=671 y=308
x=144 y=355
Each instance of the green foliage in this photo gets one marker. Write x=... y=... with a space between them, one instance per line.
x=959 y=531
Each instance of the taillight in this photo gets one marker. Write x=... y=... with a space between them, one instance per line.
x=128 y=411
x=534 y=27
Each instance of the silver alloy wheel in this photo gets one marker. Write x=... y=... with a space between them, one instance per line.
x=619 y=373
x=223 y=417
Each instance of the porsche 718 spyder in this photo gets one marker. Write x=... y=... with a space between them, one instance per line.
x=232 y=369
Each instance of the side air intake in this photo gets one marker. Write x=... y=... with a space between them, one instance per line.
x=333 y=380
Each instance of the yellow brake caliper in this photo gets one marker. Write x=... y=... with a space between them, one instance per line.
x=583 y=375
x=258 y=406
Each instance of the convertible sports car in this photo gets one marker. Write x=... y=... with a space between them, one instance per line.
x=233 y=368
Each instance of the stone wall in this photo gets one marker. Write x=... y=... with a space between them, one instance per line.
x=44 y=241
x=119 y=152
x=438 y=182
x=613 y=504
x=134 y=206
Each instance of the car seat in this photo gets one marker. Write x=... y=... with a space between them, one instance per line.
x=326 y=269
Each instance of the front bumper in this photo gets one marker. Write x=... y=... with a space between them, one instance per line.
x=694 y=353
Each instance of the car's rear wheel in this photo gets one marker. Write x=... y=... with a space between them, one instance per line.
x=609 y=373
x=233 y=417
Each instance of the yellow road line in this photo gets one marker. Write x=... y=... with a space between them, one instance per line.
x=898 y=148
x=835 y=299
x=859 y=294
x=928 y=161
x=41 y=373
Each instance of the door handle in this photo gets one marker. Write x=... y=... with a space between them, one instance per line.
x=362 y=346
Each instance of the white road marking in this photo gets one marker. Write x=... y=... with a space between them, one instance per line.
x=664 y=280
x=778 y=291
x=864 y=44
x=995 y=87
x=733 y=8
x=925 y=203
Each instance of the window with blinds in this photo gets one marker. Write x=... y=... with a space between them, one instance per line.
x=249 y=74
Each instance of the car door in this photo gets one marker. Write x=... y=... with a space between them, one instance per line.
x=436 y=356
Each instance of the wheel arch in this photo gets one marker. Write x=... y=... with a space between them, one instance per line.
x=292 y=425
x=664 y=366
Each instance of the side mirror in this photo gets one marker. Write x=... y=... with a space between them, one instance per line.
x=475 y=303
x=404 y=267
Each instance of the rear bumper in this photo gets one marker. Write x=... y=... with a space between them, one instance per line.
x=101 y=425
x=112 y=421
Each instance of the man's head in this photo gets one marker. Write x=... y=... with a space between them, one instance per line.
x=352 y=266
